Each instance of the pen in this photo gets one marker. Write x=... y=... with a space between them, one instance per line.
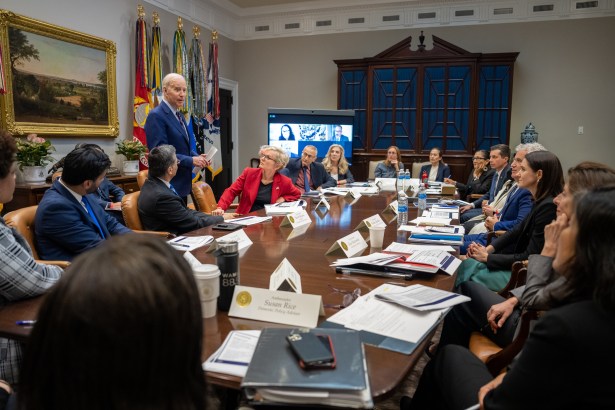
x=25 y=322
x=350 y=271
x=181 y=238
x=242 y=219
x=180 y=244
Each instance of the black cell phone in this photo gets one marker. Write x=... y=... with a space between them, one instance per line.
x=226 y=227
x=313 y=351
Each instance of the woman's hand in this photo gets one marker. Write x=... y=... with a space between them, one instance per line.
x=450 y=181
x=478 y=252
x=280 y=200
x=497 y=314
x=341 y=182
x=488 y=387
x=552 y=232
x=218 y=211
x=490 y=222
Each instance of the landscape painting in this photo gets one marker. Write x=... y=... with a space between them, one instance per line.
x=60 y=82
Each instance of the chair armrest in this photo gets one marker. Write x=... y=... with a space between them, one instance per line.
x=61 y=264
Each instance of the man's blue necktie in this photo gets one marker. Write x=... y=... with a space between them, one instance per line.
x=85 y=202
x=494 y=187
x=180 y=117
x=306 y=181
x=173 y=189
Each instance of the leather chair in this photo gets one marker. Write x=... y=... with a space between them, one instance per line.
x=371 y=173
x=203 y=197
x=254 y=162
x=495 y=357
x=141 y=177
x=23 y=221
x=56 y=175
x=416 y=168
x=130 y=212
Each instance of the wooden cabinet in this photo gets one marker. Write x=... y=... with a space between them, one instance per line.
x=444 y=97
x=28 y=195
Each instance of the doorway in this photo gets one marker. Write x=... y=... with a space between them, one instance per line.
x=224 y=179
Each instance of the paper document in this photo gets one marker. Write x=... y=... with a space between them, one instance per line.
x=188 y=243
x=234 y=356
x=422 y=298
x=409 y=248
x=431 y=221
x=250 y=220
x=283 y=208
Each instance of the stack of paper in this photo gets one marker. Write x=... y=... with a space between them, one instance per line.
x=283 y=208
x=425 y=261
x=422 y=298
x=274 y=375
x=431 y=235
x=234 y=356
x=188 y=243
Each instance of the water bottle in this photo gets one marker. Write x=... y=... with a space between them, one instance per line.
x=407 y=180
x=227 y=259
x=400 y=179
x=422 y=199
x=402 y=209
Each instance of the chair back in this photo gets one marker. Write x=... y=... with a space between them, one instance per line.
x=416 y=168
x=203 y=197
x=255 y=162
x=141 y=177
x=130 y=211
x=371 y=173
x=56 y=175
x=23 y=221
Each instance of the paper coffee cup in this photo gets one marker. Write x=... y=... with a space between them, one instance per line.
x=376 y=236
x=208 y=280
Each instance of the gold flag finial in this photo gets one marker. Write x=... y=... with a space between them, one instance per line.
x=214 y=35
x=140 y=11
x=196 y=30
x=180 y=24
x=156 y=18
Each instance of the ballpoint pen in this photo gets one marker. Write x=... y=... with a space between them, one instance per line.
x=180 y=244
x=382 y=274
x=25 y=322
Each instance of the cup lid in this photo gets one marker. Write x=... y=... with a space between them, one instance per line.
x=206 y=269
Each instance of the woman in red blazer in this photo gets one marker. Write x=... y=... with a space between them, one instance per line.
x=262 y=185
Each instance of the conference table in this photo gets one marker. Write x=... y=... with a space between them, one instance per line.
x=306 y=253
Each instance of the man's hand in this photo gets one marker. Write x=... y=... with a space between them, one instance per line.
x=199 y=161
x=490 y=222
x=218 y=211
x=465 y=208
x=488 y=210
x=497 y=314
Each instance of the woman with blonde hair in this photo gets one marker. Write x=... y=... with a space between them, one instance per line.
x=336 y=165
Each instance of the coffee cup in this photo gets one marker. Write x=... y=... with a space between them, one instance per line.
x=208 y=281
x=376 y=236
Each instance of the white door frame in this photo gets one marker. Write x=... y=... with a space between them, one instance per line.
x=233 y=86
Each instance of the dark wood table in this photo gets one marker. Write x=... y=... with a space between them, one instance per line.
x=306 y=253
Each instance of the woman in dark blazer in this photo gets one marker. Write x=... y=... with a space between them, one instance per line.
x=262 y=185
x=479 y=181
x=541 y=174
x=437 y=170
x=336 y=165
x=566 y=361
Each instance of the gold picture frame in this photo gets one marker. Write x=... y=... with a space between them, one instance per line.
x=59 y=82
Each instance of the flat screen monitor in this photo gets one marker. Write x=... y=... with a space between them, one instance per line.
x=293 y=129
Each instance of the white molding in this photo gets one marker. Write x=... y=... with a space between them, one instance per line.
x=234 y=87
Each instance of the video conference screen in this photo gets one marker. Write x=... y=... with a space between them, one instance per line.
x=293 y=129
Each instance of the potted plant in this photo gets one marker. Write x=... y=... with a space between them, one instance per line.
x=33 y=154
x=132 y=150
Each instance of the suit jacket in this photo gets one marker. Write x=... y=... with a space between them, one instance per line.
x=63 y=228
x=247 y=185
x=565 y=363
x=162 y=127
x=525 y=239
x=443 y=172
x=320 y=177
x=493 y=191
x=518 y=205
x=161 y=210
x=107 y=192
x=347 y=176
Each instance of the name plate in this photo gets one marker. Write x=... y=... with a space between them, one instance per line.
x=275 y=306
x=349 y=245
x=296 y=219
x=285 y=277
x=374 y=220
x=238 y=236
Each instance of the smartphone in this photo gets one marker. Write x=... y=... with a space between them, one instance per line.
x=313 y=351
x=226 y=227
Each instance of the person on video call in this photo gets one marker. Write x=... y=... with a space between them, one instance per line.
x=286 y=133
x=337 y=134
x=303 y=169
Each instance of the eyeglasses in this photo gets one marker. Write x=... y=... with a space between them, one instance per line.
x=349 y=297
x=265 y=156
x=478 y=159
x=305 y=154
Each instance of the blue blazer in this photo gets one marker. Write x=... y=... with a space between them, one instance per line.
x=443 y=172
x=63 y=229
x=320 y=177
x=162 y=127
x=504 y=176
x=515 y=209
x=107 y=192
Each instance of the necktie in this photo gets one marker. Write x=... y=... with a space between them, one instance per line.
x=306 y=181
x=180 y=117
x=173 y=189
x=85 y=202
x=494 y=186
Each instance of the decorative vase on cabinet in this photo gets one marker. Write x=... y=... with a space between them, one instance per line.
x=34 y=175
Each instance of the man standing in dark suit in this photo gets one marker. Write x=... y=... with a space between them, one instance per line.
x=498 y=159
x=67 y=223
x=304 y=169
x=166 y=125
x=160 y=207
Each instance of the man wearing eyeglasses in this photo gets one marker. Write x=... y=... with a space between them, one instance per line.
x=306 y=174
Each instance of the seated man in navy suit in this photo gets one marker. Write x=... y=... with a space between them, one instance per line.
x=166 y=125
x=68 y=220
x=337 y=134
x=498 y=159
x=300 y=169
x=160 y=207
